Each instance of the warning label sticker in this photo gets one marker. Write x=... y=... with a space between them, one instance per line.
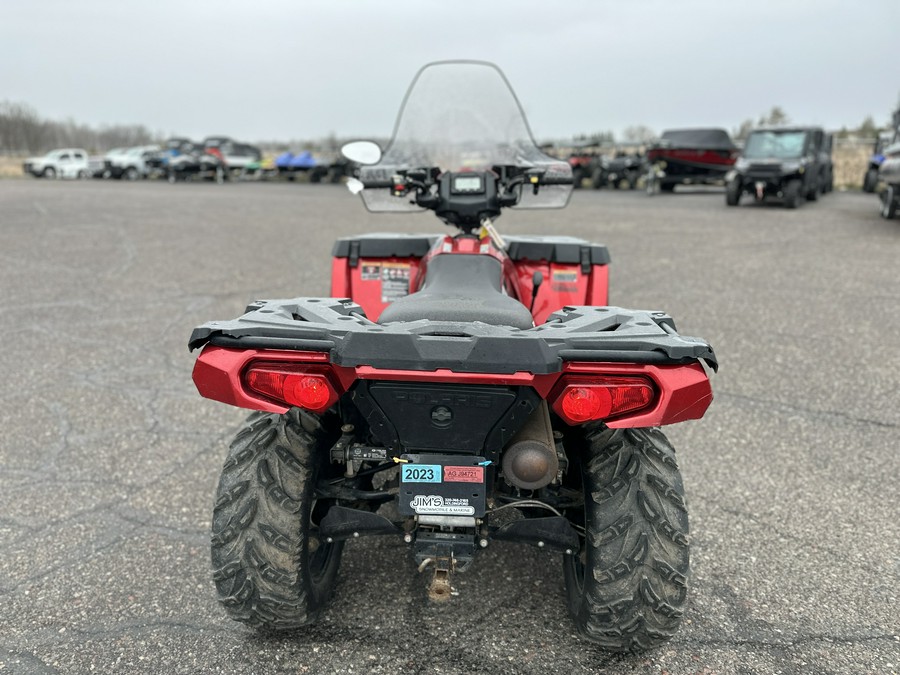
x=563 y=277
x=394 y=281
x=566 y=282
x=370 y=272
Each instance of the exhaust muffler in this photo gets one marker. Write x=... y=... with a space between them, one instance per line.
x=530 y=461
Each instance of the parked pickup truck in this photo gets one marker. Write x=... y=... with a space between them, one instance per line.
x=63 y=163
x=129 y=163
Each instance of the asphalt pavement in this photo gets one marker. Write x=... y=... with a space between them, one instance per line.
x=109 y=458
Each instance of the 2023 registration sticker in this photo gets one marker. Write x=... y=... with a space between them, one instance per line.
x=431 y=473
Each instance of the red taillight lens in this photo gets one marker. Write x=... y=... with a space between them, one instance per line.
x=309 y=391
x=581 y=404
x=596 y=398
x=307 y=388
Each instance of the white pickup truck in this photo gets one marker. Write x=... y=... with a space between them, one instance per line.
x=64 y=163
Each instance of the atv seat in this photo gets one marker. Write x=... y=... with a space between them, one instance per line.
x=461 y=287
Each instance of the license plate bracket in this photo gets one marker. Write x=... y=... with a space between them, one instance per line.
x=442 y=485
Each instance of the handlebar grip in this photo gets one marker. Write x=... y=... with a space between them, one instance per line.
x=377 y=184
x=557 y=180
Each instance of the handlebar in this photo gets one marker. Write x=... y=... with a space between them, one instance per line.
x=464 y=198
x=513 y=175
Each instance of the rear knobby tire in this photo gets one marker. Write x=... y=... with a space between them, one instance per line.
x=271 y=570
x=627 y=588
x=889 y=202
x=870 y=180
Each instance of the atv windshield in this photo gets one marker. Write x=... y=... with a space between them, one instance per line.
x=775 y=145
x=460 y=115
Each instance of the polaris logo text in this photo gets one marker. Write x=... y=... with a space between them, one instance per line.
x=433 y=399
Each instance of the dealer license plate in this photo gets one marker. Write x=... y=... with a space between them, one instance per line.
x=442 y=485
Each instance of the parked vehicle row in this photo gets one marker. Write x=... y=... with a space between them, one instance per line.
x=792 y=164
x=699 y=156
x=216 y=158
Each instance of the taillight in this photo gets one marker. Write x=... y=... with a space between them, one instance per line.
x=307 y=387
x=587 y=398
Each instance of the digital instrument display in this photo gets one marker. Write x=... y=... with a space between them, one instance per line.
x=468 y=184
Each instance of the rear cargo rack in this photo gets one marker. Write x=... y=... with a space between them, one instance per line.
x=339 y=327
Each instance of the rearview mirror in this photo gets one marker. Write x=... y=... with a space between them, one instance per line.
x=362 y=152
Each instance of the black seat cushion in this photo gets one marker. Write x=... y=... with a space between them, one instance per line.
x=461 y=287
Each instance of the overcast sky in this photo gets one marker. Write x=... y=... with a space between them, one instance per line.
x=294 y=69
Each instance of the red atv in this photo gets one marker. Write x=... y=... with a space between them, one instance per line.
x=457 y=390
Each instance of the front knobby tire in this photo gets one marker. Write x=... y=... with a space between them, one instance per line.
x=792 y=196
x=626 y=590
x=271 y=570
x=733 y=193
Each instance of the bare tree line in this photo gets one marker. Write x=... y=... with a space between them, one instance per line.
x=23 y=131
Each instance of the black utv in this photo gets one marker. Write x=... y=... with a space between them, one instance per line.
x=790 y=163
